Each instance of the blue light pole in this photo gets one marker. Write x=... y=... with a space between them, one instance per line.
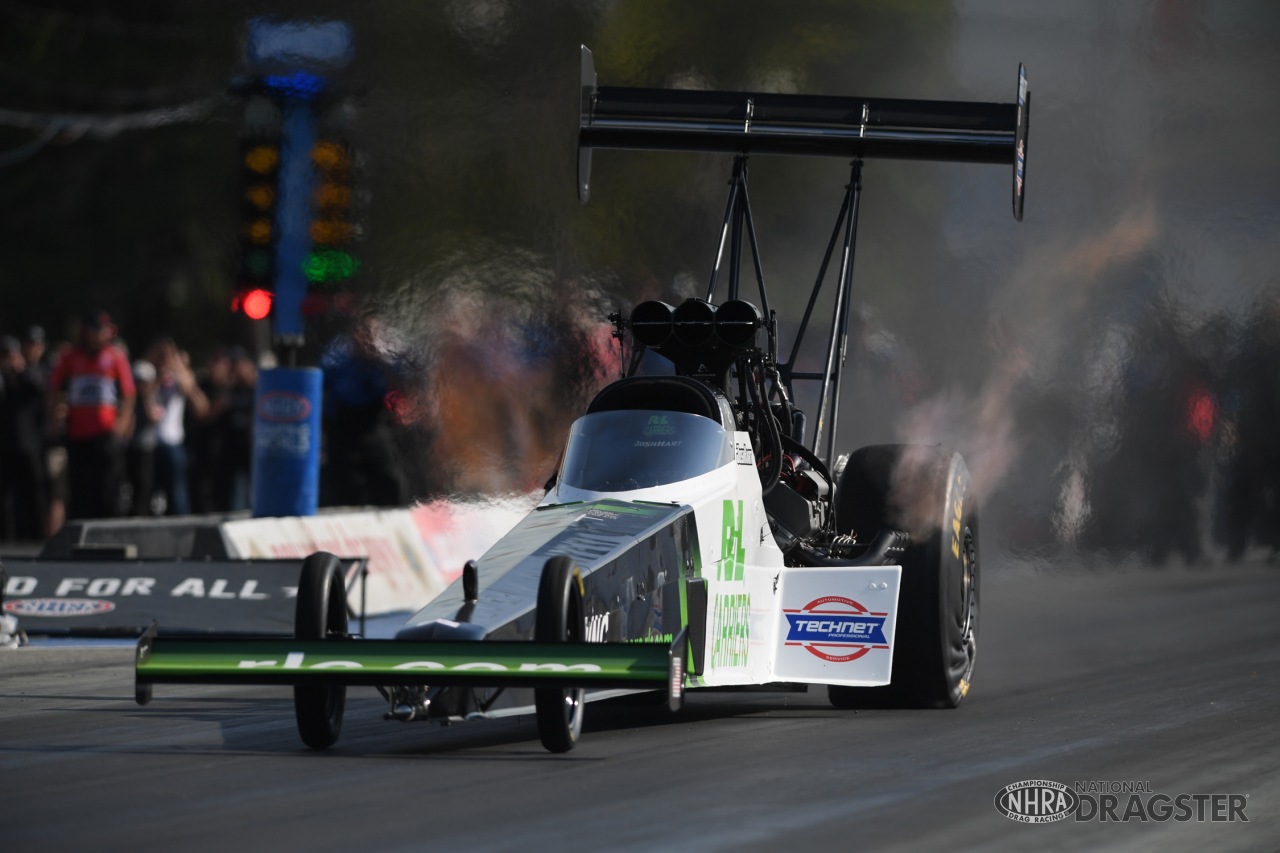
x=286 y=439
x=297 y=92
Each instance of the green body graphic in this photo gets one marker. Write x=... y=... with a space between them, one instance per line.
x=732 y=630
x=733 y=553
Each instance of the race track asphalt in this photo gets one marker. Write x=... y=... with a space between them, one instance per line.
x=1166 y=677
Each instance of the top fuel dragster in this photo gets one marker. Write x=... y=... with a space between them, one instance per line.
x=696 y=534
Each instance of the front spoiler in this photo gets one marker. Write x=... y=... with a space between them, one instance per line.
x=387 y=663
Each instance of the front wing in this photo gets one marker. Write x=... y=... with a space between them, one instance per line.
x=386 y=663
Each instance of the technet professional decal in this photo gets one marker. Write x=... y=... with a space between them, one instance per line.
x=1045 y=801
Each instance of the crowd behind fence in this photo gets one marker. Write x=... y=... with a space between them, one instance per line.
x=96 y=428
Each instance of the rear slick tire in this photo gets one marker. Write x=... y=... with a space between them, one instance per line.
x=321 y=613
x=923 y=490
x=560 y=618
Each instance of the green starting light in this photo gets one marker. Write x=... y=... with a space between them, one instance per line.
x=328 y=265
x=258 y=263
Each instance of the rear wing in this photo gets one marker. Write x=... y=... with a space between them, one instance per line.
x=814 y=125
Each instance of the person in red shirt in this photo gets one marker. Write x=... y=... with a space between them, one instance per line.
x=92 y=392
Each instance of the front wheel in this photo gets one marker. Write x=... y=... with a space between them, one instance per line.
x=321 y=613
x=923 y=490
x=560 y=618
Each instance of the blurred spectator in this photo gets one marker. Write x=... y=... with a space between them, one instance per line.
x=1151 y=488
x=362 y=468
x=55 y=459
x=175 y=388
x=220 y=438
x=205 y=435
x=1252 y=490
x=23 y=485
x=92 y=391
x=235 y=425
x=33 y=353
x=141 y=456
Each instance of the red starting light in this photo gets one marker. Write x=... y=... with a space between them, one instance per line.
x=256 y=304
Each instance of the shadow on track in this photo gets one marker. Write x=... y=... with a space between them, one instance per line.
x=266 y=726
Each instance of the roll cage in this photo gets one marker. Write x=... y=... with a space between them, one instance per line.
x=723 y=350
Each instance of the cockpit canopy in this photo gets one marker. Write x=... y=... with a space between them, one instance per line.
x=625 y=450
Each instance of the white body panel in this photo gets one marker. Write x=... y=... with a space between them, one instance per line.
x=767 y=622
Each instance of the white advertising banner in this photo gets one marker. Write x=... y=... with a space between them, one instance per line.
x=413 y=553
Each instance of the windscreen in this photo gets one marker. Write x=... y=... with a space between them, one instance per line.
x=618 y=451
